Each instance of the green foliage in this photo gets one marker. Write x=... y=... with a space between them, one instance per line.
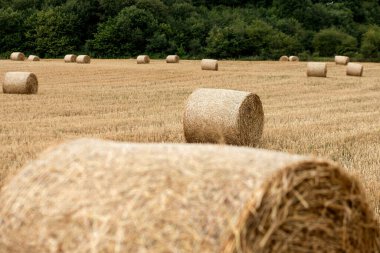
x=371 y=43
x=329 y=42
x=11 y=30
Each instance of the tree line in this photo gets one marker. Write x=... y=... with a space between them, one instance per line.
x=255 y=29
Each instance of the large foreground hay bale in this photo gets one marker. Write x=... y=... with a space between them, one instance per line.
x=284 y=58
x=223 y=116
x=209 y=64
x=316 y=69
x=70 y=58
x=143 y=59
x=20 y=83
x=33 y=58
x=294 y=58
x=342 y=60
x=17 y=56
x=354 y=69
x=83 y=59
x=172 y=59
x=99 y=196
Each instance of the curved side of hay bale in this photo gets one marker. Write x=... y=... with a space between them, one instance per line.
x=143 y=59
x=316 y=69
x=70 y=58
x=223 y=116
x=83 y=59
x=100 y=196
x=172 y=59
x=354 y=69
x=284 y=58
x=17 y=56
x=342 y=60
x=294 y=58
x=33 y=58
x=209 y=64
x=20 y=83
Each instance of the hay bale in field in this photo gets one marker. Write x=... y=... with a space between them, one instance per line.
x=17 y=56
x=83 y=59
x=70 y=58
x=284 y=58
x=102 y=196
x=341 y=60
x=209 y=64
x=223 y=116
x=172 y=59
x=354 y=69
x=33 y=58
x=143 y=59
x=316 y=69
x=20 y=83
x=294 y=58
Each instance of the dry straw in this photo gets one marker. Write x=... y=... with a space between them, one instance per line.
x=284 y=58
x=70 y=58
x=172 y=59
x=316 y=69
x=223 y=116
x=294 y=58
x=33 y=58
x=342 y=60
x=143 y=59
x=83 y=59
x=209 y=64
x=17 y=56
x=354 y=69
x=98 y=196
x=20 y=83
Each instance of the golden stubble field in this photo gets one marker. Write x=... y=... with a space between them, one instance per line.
x=336 y=117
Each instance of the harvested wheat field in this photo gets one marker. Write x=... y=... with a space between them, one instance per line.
x=337 y=117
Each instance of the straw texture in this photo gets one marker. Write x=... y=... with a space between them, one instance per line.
x=69 y=58
x=20 y=83
x=143 y=59
x=98 y=196
x=209 y=64
x=316 y=69
x=172 y=59
x=33 y=58
x=17 y=56
x=284 y=58
x=83 y=59
x=294 y=58
x=223 y=116
x=342 y=60
x=354 y=69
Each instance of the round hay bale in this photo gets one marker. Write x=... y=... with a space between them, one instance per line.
x=20 y=83
x=316 y=69
x=33 y=58
x=294 y=58
x=83 y=59
x=17 y=56
x=209 y=64
x=172 y=59
x=223 y=116
x=70 y=58
x=342 y=60
x=143 y=59
x=102 y=196
x=354 y=69
x=284 y=58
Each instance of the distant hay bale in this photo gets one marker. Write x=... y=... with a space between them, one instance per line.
x=294 y=58
x=17 y=56
x=33 y=58
x=354 y=69
x=284 y=58
x=70 y=58
x=316 y=69
x=143 y=59
x=20 y=83
x=172 y=59
x=209 y=64
x=102 y=196
x=342 y=60
x=83 y=59
x=223 y=116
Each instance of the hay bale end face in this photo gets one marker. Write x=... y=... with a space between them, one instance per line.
x=33 y=58
x=172 y=59
x=354 y=69
x=143 y=59
x=223 y=116
x=17 y=56
x=101 y=196
x=284 y=58
x=294 y=58
x=209 y=64
x=20 y=83
x=69 y=58
x=316 y=69
x=342 y=60
x=83 y=59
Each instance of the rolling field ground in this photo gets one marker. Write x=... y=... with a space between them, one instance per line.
x=336 y=117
